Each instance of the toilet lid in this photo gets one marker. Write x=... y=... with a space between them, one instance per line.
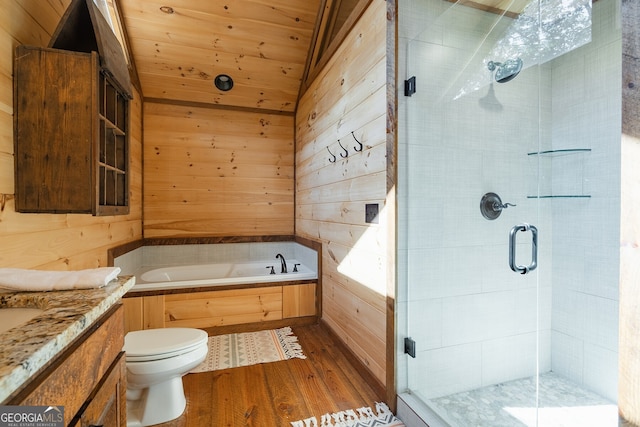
x=153 y=344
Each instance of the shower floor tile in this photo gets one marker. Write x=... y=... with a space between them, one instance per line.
x=512 y=404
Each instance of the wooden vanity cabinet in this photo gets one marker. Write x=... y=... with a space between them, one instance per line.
x=88 y=379
x=71 y=134
x=108 y=407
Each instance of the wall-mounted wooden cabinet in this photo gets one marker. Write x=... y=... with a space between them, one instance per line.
x=71 y=134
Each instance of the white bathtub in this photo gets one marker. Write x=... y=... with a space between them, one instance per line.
x=205 y=275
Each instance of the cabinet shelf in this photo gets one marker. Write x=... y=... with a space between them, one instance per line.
x=112 y=168
x=111 y=126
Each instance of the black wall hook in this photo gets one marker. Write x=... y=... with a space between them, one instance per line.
x=332 y=159
x=359 y=146
x=346 y=152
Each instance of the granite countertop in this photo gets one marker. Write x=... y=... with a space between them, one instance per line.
x=25 y=349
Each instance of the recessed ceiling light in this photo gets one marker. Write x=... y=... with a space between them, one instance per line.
x=223 y=82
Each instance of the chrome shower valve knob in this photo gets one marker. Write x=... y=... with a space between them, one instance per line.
x=491 y=206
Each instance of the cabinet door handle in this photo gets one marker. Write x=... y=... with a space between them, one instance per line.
x=534 y=248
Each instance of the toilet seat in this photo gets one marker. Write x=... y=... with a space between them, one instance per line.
x=157 y=344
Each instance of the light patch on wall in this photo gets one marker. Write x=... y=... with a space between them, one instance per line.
x=365 y=261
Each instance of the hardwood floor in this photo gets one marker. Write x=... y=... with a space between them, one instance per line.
x=275 y=394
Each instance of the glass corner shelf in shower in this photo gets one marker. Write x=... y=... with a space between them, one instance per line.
x=571 y=166
x=562 y=196
x=551 y=153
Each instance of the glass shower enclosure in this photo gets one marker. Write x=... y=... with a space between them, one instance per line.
x=509 y=195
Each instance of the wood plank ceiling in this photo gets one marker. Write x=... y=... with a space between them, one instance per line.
x=180 y=46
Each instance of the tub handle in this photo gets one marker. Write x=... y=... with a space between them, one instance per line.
x=272 y=270
x=295 y=268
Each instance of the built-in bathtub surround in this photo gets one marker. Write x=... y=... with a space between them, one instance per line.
x=148 y=257
x=221 y=274
x=206 y=285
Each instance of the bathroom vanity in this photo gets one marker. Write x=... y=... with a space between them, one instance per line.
x=70 y=355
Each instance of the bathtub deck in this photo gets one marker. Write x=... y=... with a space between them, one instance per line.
x=275 y=394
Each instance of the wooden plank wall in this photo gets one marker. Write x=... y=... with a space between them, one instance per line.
x=217 y=172
x=629 y=369
x=348 y=95
x=53 y=241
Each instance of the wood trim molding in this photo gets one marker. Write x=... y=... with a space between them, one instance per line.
x=203 y=240
x=195 y=104
x=133 y=71
x=116 y=251
x=261 y=326
x=316 y=64
x=210 y=288
x=316 y=246
x=391 y=201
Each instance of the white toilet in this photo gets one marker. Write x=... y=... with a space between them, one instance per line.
x=156 y=360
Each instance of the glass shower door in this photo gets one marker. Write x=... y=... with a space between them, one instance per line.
x=474 y=321
x=475 y=226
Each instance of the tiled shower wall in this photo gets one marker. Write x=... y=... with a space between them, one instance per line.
x=586 y=113
x=467 y=308
x=474 y=320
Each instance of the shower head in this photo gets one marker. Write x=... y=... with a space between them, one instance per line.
x=507 y=70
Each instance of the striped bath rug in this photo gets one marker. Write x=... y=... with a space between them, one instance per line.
x=362 y=417
x=250 y=348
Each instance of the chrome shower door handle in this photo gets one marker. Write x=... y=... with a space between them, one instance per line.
x=534 y=248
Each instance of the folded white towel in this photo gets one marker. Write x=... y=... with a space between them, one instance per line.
x=19 y=279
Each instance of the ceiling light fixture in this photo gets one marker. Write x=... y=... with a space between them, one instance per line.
x=223 y=82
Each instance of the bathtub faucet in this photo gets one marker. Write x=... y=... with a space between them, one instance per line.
x=283 y=263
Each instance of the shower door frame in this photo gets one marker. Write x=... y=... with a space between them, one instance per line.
x=581 y=222
x=467 y=204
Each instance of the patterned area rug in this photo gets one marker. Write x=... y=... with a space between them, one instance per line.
x=363 y=417
x=250 y=348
